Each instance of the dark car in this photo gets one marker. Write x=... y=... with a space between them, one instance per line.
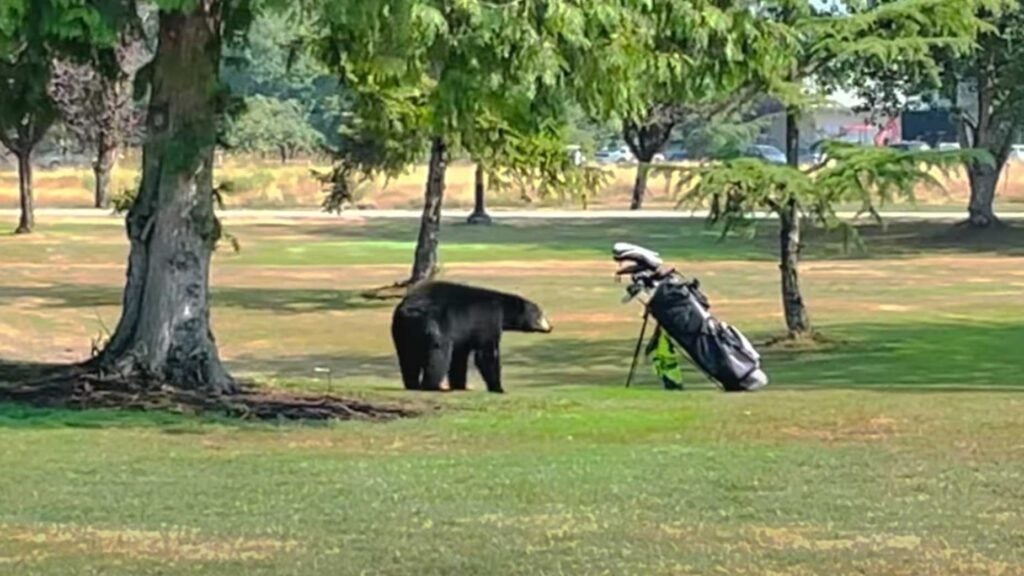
x=766 y=153
x=675 y=153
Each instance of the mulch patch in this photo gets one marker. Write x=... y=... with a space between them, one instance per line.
x=79 y=388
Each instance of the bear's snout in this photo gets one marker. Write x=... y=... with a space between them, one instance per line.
x=544 y=325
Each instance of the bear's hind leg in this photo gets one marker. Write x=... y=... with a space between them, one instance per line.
x=488 y=360
x=459 y=367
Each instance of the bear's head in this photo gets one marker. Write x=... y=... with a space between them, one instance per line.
x=522 y=315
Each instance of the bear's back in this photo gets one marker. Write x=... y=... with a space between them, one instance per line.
x=456 y=295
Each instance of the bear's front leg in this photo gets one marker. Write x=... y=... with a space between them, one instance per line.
x=438 y=361
x=488 y=361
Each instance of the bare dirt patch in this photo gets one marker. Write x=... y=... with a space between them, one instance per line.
x=876 y=429
x=176 y=545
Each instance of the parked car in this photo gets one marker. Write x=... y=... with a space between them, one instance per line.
x=675 y=152
x=948 y=146
x=1017 y=152
x=614 y=155
x=911 y=146
x=55 y=160
x=765 y=152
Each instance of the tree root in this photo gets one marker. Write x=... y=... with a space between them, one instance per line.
x=395 y=291
x=811 y=341
x=81 y=388
x=986 y=224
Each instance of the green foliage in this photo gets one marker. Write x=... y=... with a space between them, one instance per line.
x=269 y=125
x=987 y=84
x=736 y=191
x=719 y=137
x=121 y=202
x=489 y=79
x=270 y=63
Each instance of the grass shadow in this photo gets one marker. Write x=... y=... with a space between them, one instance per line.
x=921 y=357
x=928 y=357
x=263 y=299
x=676 y=240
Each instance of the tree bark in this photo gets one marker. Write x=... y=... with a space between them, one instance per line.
x=984 y=179
x=27 y=222
x=797 y=322
x=164 y=333
x=479 y=215
x=644 y=142
x=425 y=263
x=106 y=156
x=640 y=185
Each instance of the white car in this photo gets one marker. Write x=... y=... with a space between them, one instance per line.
x=620 y=155
x=1017 y=152
x=948 y=146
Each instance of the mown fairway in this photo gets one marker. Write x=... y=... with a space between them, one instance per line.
x=898 y=448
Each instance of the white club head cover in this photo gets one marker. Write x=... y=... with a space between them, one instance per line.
x=626 y=251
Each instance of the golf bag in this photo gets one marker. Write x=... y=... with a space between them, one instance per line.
x=679 y=307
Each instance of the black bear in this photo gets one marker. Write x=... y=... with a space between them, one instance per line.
x=439 y=324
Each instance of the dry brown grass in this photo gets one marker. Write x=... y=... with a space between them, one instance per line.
x=172 y=545
x=260 y=184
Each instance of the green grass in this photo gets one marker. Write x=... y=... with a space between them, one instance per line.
x=895 y=449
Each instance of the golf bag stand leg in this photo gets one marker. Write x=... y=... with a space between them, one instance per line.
x=639 y=344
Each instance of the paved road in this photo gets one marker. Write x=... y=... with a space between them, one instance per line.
x=542 y=214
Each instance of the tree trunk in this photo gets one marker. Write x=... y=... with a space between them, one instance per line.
x=640 y=185
x=106 y=156
x=797 y=322
x=164 y=332
x=479 y=215
x=984 y=179
x=27 y=222
x=425 y=263
x=644 y=142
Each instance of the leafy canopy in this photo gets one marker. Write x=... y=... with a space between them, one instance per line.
x=737 y=191
x=489 y=79
x=269 y=125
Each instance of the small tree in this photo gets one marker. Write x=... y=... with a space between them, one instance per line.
x=26 y=109
x=737 y=191
x=96 y=101
x=479 y=214
x=269 y=125
x=830 y=44
x=686 y=62
x=984 y=80
x=988 y=88
x=438 y=76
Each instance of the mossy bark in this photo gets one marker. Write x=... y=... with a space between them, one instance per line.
x=164 y=332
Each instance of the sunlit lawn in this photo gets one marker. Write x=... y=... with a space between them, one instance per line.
x=896 y=449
